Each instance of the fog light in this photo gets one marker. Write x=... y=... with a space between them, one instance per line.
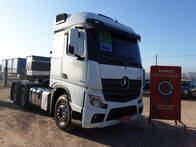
x=96 y=102
x=97 y=118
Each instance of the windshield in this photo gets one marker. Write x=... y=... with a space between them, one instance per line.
x=111 y=47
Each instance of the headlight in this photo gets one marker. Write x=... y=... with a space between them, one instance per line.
x=96 y=102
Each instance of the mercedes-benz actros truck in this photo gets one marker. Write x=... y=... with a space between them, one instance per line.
x=96 y=74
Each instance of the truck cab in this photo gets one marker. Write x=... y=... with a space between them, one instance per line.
x=95 y=75
x=96 y=65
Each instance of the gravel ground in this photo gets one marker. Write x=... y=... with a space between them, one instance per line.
x=35 y=128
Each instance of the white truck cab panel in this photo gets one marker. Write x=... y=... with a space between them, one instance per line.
x=57 y=54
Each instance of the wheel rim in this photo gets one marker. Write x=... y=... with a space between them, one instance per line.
x=62 y=113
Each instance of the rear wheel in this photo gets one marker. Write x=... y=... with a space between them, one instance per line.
x=15 y=94
x=24 y=98
x=63 y=113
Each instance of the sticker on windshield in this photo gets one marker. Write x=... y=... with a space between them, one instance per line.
x=105 y=41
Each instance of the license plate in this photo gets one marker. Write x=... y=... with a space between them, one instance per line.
x=124 y=118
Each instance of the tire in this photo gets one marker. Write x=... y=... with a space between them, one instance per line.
x=25 y=98
x=12 y=91
x=62 y=113
x=15 y=94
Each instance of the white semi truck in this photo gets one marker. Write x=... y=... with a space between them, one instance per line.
x=96 y=74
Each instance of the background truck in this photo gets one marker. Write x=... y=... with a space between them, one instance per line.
x=37 y=68
x=31 y=68
x=96 y=74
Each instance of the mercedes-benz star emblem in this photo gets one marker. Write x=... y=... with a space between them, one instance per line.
x=124 y=84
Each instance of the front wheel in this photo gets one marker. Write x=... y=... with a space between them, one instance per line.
x=63 y=113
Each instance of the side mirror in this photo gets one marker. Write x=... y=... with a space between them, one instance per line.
x=79 y=57
x=73 y=41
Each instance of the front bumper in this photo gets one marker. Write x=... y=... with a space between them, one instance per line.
x=94 y=117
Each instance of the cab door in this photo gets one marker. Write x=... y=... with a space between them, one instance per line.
x=73 y=67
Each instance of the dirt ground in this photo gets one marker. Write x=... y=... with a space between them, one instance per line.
x=34 y=128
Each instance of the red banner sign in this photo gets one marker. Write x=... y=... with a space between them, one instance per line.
x=165 y=92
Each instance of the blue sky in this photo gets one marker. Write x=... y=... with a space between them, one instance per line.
x=167 y=27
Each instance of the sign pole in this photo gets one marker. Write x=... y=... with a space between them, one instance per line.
x=156 y=59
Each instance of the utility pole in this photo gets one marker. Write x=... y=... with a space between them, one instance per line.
x=156 y=59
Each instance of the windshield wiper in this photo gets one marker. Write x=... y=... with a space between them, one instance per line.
x=135 y=64
x=120 y=61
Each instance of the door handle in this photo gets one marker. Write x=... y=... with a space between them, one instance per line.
x=64 y=76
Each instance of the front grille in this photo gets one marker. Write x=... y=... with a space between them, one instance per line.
x=117 y=113
x=113 y=92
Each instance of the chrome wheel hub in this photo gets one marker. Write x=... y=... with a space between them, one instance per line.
x=62 y=113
